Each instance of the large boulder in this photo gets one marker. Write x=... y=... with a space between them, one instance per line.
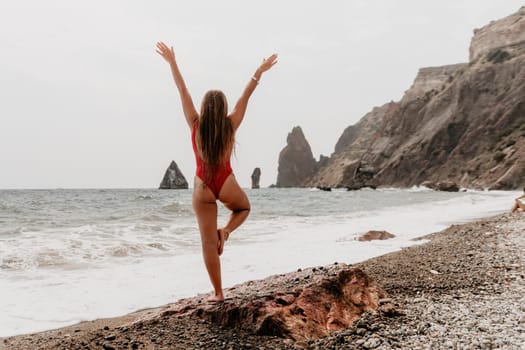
x=296 y=161
x=256 y=177
x=309 y=304
x=173 y=178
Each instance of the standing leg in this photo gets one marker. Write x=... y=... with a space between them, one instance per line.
x=205 y=208
x=233 y=198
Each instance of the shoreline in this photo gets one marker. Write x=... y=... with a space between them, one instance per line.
x=429 y=282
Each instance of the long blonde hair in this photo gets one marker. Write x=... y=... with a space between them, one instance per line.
x=215 y=136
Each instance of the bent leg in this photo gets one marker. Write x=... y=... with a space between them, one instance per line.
x=205 y=208
x=234 y=198
x=520 y=205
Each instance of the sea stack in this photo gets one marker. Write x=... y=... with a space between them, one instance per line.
x=296 y=161
x=256 y=177
x=173 y=178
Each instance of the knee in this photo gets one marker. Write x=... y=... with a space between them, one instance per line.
x=246 y=207
x=209 y=240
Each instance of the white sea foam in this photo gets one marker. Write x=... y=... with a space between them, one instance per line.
x=87 y=266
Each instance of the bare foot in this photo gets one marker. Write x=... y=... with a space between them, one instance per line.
x=224 y=234
x=219 y=298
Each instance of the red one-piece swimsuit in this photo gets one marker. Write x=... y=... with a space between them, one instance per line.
x=219 y=177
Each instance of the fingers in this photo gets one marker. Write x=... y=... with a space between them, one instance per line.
x=163 y=48
x=269 y=62
x=272 y=58
x=166 y=52
x=161 y=45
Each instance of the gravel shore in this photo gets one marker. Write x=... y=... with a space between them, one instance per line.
x=463 y=289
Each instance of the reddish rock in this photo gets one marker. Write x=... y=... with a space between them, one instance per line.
x=330 y=301
x=375 y=235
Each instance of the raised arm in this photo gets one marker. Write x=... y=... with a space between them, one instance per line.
x=187 y=103
x=239 y=110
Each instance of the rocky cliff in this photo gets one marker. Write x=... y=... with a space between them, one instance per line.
x=463 y=123
x=173 y=178
x=504 y=33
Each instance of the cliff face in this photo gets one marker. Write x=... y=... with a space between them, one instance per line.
x=463 y=123
x=504 y=33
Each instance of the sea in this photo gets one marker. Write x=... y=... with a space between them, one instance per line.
x=71 y=255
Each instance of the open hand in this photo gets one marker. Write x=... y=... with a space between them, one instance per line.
x=166 y=52
x=268 y=63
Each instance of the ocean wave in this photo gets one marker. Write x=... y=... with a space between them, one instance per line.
x=158 y=246
x=43 y=259
x=49 y=258
x=144 y=197
x=137 y=249
x=177 y=208
x=172 y=207
x=12 y=263
x=420 y=189
x=154 y=217
x=11 y=231
x=124 y=250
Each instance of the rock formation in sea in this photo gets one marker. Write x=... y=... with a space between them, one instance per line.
x=173 y=178
x=296 y=161
x=446 y=186
x=256 y=177
x=462 y=123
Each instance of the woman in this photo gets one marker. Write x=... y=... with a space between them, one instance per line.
x=213 y=137
x=518 y=204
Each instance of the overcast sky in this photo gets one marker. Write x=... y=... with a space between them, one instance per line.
x=86 y=101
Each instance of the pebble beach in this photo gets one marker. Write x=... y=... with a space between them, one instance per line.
x=464 y=288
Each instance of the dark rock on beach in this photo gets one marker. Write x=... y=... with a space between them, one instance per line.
x=375 y=235
x=173 y=178
x=446 y=186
